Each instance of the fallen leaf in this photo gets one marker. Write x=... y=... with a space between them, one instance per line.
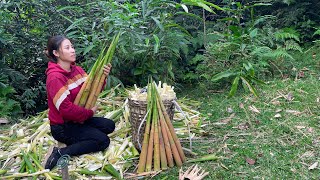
x=275 y=102
x=229 y=110
x=300 y=127
x=210 y=150
x=228 y=119
x=277 y=115
x=241 y=105
x=278 y=110
x=294 y=112
x=289 y=96
x=313 y=166
x=310 y=130
x=301 y=74
x=4 y=121
x=307 y=154
x=318 y=100
x=254 y=109
x=250 y=161
x=243 y=126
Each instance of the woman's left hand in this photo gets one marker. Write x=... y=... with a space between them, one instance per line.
x=107 y=69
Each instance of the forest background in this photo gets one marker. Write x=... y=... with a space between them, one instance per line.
x=222 y=45
x=250 y=67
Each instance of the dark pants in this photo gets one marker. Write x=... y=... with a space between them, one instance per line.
x=91 y=136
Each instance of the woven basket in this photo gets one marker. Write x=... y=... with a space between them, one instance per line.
x=138 y=110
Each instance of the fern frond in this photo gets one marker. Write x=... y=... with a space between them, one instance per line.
x=317 y=32
x=292 y=45
x=286 y=35
x=261 y=51
x=279 y=53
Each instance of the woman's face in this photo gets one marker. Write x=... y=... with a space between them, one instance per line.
x=66 y=52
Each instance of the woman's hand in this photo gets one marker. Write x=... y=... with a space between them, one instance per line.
x=94 y=109
x=107 y=69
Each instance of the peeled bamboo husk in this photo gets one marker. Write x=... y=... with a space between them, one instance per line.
x=121 y=154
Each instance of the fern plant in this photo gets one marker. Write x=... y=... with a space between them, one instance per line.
x=245 y=76
x=8 y=107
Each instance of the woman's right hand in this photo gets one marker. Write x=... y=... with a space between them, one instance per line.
x=94 y=109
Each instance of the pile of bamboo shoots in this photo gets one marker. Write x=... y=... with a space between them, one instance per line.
x=161 y=146
x=93 y=85
x=23 y=145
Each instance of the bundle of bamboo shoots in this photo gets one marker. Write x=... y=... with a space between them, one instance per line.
x=93 y=85
x=160 y=143
x=166 y=92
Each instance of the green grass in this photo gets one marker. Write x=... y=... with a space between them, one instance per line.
x=283 y=148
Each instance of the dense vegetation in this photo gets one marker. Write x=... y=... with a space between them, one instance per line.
x=216 y=45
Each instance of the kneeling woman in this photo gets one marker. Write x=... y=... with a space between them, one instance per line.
x=71 y=124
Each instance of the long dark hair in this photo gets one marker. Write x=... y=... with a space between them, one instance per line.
x=54 y=43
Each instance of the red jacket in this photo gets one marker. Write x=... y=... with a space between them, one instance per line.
x=62 y=89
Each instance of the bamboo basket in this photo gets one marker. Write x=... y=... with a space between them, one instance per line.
x=138 y=110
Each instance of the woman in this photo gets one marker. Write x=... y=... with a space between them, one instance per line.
x=71 y=124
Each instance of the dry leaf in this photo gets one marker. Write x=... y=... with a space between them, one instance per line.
x=243 y=126
x=277 y=115
x=300 y=127
x=301 y=74
x=310 y=130
x=278 y=110
x=275 y=102
x=210 y=150
x=4 y=121
x=307 y=154
x=313 y=166
x=241 y=105
x=229 y=110
x=250 y=161
x=294 y=112
x=254 y=109
x=289 y=96
x=228 y=119
x=318 y=100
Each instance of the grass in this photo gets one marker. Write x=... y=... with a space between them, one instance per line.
x=282 y=139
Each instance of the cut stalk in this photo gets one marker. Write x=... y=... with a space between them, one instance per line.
x=150 y=149
x=171 y=128
x=156 y=133
x=143 y=154
x=165 y=137
x=173 y=146
x=163 y=157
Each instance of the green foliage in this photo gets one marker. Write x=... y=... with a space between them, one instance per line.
x=8 y=106
x=185 y=42
x=151 y=42
x=24 y=29
x=246 y=75
x=239 y=46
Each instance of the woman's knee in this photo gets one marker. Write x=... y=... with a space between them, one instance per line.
x=112 y=125
x=104 y=142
